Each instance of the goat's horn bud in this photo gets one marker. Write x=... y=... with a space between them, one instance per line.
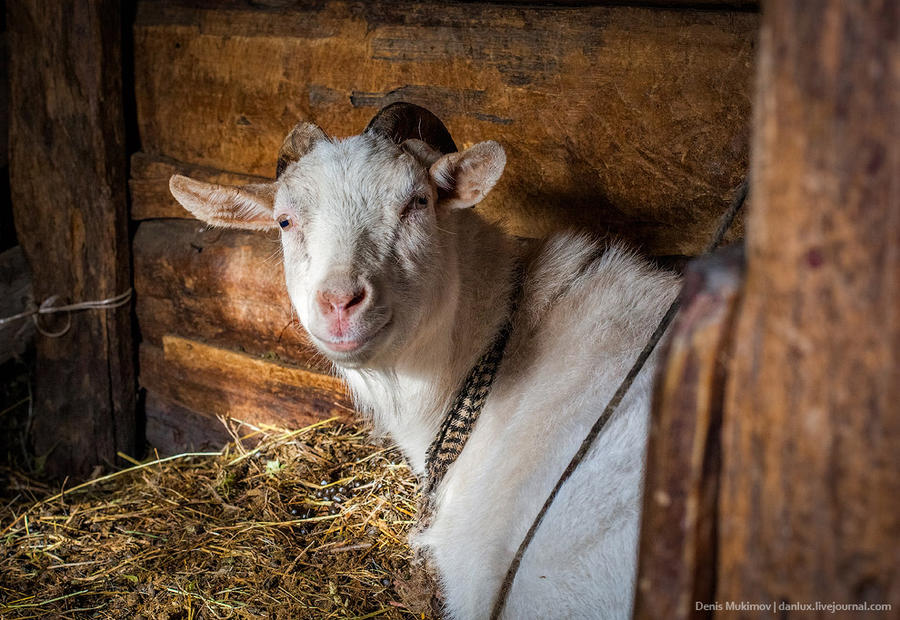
x=401 y=121
x=298 y=143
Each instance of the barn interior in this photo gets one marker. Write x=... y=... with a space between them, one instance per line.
x=638 y=119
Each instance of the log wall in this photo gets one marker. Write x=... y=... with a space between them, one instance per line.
x=631 y=120
x=624 y=120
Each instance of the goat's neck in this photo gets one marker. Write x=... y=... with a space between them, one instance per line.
x=408 y=400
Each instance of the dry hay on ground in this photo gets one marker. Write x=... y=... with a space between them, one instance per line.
x=307 y=524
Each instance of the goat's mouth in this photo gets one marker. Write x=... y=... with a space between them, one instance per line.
x=350 y=350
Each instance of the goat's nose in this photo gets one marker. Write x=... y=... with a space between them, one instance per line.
x=340 y=302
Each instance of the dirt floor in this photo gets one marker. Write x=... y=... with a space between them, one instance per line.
x=308 y=523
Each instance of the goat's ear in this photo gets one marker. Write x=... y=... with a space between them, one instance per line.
x=300 y=141
x=465 y=178
x=232 y=206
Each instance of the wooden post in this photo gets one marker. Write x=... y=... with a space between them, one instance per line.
x=810 y=494
x=15 y=297
x=678 y=545
x=68 y=185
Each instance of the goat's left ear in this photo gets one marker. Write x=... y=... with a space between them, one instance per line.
x=232 y=206
x=465 y=178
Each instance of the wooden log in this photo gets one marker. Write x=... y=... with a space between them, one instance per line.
x=149 y=185
x=217 y=381
x=225 y=286
x=174 y=429
x=810 y=500
x=68 y=185
x=678 y=543
x=15 y=297
x=630 y=120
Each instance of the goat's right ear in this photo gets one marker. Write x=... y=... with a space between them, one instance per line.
x=465 y=178
x=232 y=206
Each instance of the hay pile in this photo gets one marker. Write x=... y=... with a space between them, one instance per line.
x=306 y=524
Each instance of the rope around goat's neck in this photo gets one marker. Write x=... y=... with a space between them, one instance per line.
x=724 y=224
x=47 y=307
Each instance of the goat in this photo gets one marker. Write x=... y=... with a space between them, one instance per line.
x=403 y=287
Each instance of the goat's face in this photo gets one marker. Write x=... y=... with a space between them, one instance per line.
x=362 y=253
x=361 y=227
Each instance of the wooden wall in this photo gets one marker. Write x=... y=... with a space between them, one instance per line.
x=629 y=120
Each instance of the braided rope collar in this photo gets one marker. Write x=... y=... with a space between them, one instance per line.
x=446 y=447
x=449 y=443
x=463 y=413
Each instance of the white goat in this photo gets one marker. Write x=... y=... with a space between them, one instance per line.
x=404 y=287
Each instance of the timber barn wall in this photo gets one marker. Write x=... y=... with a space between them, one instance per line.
x=633 y=121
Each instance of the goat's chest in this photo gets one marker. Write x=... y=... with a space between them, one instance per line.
x=520 y=444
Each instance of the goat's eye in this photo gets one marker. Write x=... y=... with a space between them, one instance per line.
x=284 y=221
x=415 y=204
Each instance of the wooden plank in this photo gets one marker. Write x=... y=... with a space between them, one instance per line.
x=15 y=297
x=678 y=549
x=68 y=185
x=174 y=429
x=225 y=286
x=629 y=120
x=810 y=503
x=217 y=381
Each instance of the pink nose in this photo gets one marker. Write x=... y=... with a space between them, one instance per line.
x=340 y=303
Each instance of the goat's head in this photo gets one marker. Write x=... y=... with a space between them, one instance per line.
x=360 y=222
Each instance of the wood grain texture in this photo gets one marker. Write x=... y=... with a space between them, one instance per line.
x=678 y=543
x=629 y=120
x=175 y=429
x=149 y=185
x=217 y=381
x=15 y=297
x=224 y=286
x=68 y=184
x=810 y=502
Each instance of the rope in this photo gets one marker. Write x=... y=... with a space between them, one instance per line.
x=724 y=224
x=47 y=307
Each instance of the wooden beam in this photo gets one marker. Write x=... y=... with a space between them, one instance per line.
x=810 y=502
x=216 y=381
x=622 y=119
x=678 y=542
x=68 y=184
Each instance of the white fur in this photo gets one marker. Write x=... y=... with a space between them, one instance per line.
x=439 y=281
